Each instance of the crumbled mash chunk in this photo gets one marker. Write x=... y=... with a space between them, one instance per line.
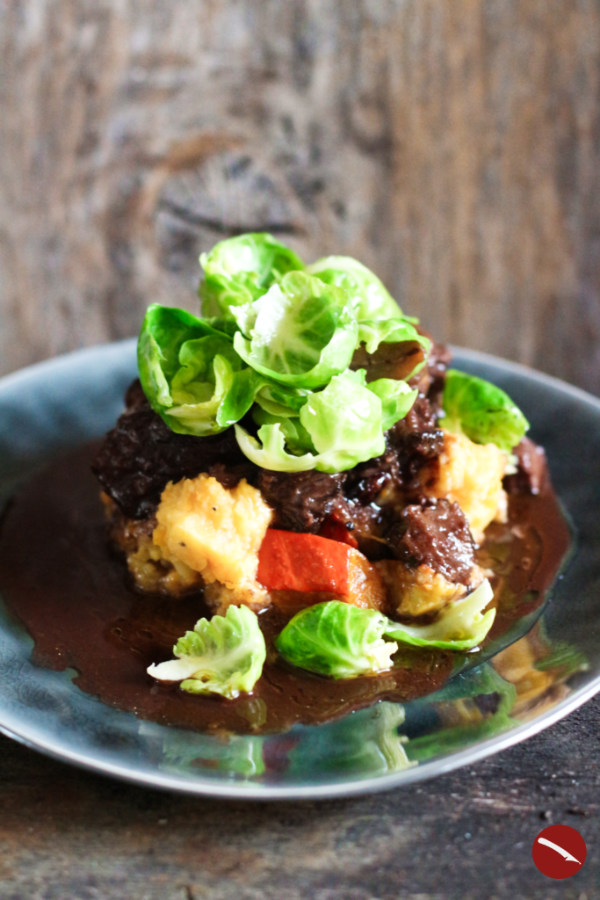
x=417 y=591
x=366 y=588
x=471 y=474
x=153 y=570
x=252 y=594
x=212 y=530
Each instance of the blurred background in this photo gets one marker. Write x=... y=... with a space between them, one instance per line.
x=454 y=147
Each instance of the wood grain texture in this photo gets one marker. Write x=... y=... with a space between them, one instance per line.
x=454 y=147
x=467 y=835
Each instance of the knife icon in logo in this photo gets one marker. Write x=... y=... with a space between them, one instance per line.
x=564 y=853
x=559 y=851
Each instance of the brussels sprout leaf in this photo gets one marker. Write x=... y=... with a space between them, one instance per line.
x=223 y=655
x=300 y=333
x=336 y=639
x=241 y=269
x=191 y=374
x=370 y=299
x=481 y=411
x=343 y=423
x=341 y=640
x=461 y=625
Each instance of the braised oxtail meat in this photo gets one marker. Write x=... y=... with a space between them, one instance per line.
x=367 y=480
x=532 y=469
x=435 y=533
x=429 y=382
x=141 y=454
x=433 y=373
x=301 y=500
x=135 y=397
x=389 y=360
x=417 y=438
x=365 y=522
x=415 y=450
x=412 y=442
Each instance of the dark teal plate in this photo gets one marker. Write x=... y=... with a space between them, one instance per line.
x=522 y=689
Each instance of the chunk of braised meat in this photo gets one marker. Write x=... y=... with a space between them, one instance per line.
x=230 y=475
x=300 y=500
x=367 y=480
x=532 y=469
x=435 y=533
x=366 y=524
x=415 y=450
x=389 y=360
x=416 y=438
x=135 y=397
x=141 y=454
x=429 y=383
x=430 y=380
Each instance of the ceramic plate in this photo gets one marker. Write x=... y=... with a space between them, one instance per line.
x=524 y=688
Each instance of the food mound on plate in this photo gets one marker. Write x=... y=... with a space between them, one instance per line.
x=304 y=445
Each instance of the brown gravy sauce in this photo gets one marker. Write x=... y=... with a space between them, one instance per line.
x=59 y=578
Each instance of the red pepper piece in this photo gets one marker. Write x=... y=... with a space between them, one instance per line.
x=288 y=561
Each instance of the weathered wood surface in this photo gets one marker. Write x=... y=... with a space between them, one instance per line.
x=65 y=833
x=454 y=147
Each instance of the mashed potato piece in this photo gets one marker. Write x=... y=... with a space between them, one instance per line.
x=213 y=530
x=153 y=571
x=416 y=591
x=471 y=474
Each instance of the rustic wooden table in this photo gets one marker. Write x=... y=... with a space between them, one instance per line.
x=66 y=834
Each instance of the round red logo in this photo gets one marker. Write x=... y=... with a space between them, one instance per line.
x=559 y=851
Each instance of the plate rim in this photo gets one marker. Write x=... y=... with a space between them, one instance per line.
x=239 y=790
